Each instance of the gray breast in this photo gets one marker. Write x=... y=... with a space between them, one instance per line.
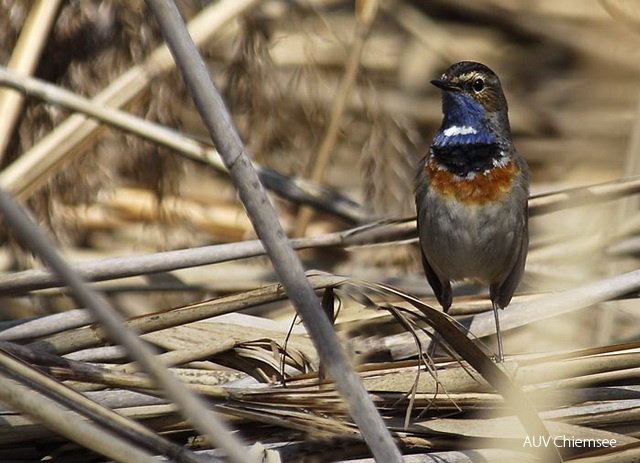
x=476 y=242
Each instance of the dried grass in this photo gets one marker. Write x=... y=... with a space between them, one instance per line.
x=227 y=329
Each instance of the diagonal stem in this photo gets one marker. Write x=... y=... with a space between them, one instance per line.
x=218 y=121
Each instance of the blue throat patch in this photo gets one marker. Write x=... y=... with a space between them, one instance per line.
x=465 y=144
x=463 y=123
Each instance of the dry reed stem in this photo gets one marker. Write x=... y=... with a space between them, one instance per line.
x=24 y=60
x=71 y=426
x=75 y=401
x=586 y=101
x=86 y=337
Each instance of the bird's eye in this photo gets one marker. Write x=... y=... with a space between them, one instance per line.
x=478 y=84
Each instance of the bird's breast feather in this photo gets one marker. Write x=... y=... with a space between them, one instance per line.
x=477 y=188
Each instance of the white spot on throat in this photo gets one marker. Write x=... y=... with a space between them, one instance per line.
x=501 y=161
x=459 y=130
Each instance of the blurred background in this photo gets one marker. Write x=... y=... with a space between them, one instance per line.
x=569 y=69
x=333 y=101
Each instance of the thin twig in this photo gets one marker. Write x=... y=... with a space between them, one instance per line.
x=127 y=266
x=582 y=196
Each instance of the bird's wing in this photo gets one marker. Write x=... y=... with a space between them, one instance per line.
x=441 y=288
x=503 y=293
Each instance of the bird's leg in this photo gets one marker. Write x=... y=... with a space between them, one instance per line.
x=496 y=309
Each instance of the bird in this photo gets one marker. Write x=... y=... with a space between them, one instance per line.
x=471 y=191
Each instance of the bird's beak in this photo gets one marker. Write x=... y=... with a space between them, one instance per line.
x=444 y=85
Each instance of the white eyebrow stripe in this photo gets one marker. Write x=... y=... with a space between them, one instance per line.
x=457 y=130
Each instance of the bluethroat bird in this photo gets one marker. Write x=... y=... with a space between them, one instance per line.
x=472 y=189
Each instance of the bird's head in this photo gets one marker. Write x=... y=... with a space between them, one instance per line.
x=473 y=104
